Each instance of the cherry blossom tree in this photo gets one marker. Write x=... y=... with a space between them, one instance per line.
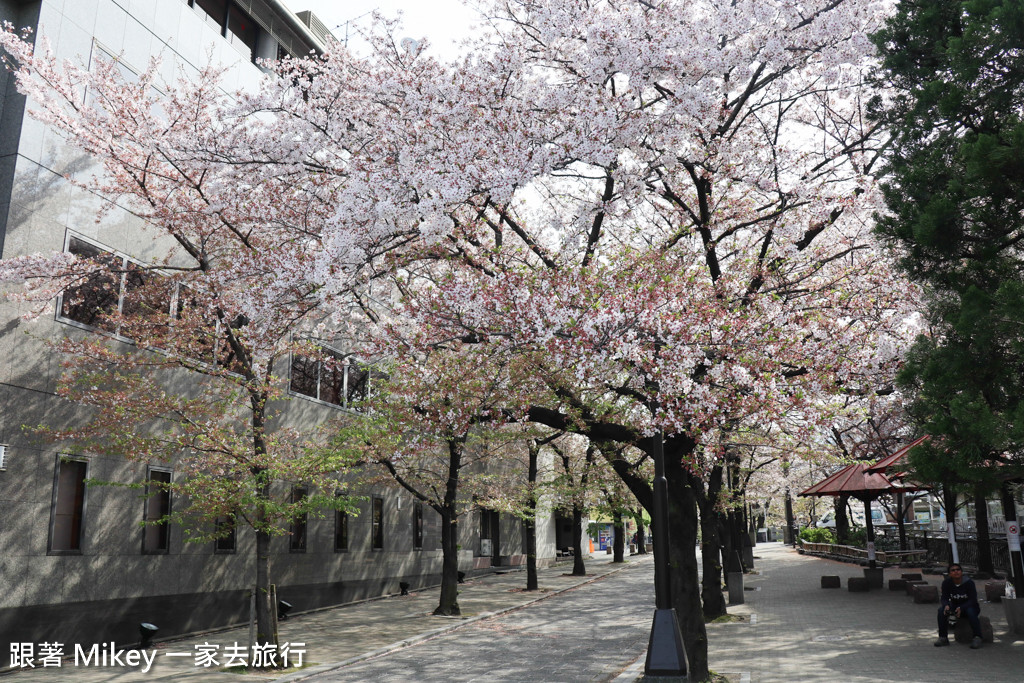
x=188 y=339
x=693 y=246
x=663 y=212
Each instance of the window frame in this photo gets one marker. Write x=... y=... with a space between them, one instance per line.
x=163 y=529
x=298 y=541
x=231 y=520
x=61 y=459
x=417 y=525
x=125 y=263
x=377 y=523
x=341 y=531
x=347 y=362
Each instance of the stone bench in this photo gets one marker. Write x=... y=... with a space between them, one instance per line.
x=897 y=584
x=858 y=584
x=831 y=582
x=963 y=633
x=911 y=585
x=994 y=590
x=926 y=593
x=912 y=577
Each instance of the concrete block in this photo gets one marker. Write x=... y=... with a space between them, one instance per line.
x=911 y=585
x=912 y=577
x=963 y=633
x=735 y=581
x=926 y=593
x=994 y=590
x=1014 y=610
x=858 y=584
x=875 y=577
x=830 y=582
x=897 y=584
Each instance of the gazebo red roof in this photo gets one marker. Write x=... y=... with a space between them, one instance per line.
x=855 y=480
x=897 y=457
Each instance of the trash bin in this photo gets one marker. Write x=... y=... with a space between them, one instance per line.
x=762 y=535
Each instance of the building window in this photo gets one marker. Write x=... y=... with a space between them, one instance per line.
x=340 y=530
x=156 y=536
x=298 y=538
x=67 y=518
x=225 y=542
x=242 y=32
x=417 y=526
x=3 y=457
x=332 y=379
x=377 y=524
x=121 y=285
x=98 y=294
x=231 y=21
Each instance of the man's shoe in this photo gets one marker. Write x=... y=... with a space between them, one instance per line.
x=976 y=643
x=941 y=641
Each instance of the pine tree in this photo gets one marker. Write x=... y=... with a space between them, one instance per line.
x=955 y=198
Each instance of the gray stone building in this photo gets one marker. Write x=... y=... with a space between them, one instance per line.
x=76 y=564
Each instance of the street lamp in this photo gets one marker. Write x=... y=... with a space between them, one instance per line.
x=665 y=653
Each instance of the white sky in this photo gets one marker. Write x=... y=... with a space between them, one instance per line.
x=442 y=21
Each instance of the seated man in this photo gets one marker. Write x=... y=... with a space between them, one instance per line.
x=960 y=596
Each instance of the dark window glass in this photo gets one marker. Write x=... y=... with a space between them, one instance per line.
x=417 y=525
x=156 y=537
x=213 y=11
x=332 y=379
x=298 y=538
x=358 y=379
x=69 y=506
x=89 y=300
x=305 y=372
x=340 y=530
x=377 y=523
x=226 y=542
x=242 y=32
x=146 y=301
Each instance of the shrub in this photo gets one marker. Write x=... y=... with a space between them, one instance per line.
x=815 y=535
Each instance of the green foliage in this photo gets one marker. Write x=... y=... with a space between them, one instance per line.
x=815 y=535
x=955 y=200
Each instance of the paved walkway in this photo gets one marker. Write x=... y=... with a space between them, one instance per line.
x=348 y=634
x=792 y=631
x=797 y=631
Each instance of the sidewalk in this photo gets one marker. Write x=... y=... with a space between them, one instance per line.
x=335 y=636
x=794 y=630
x=791 y=630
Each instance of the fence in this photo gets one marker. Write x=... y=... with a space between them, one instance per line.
x=936 y=546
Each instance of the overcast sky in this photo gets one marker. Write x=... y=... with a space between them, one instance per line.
x=442 y=21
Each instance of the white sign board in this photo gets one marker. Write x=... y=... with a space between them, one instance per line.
x=1013 y=536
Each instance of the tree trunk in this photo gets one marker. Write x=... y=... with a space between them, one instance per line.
x=901 y=523
x=530 y=524
x=711 y=594
x=619 y=544
x=266 y=633
x=448 y=605
x=641 y=532
x=949 y=504
x=985 y=563
x=842 y=521
x=578 y=566
x=682 y=519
